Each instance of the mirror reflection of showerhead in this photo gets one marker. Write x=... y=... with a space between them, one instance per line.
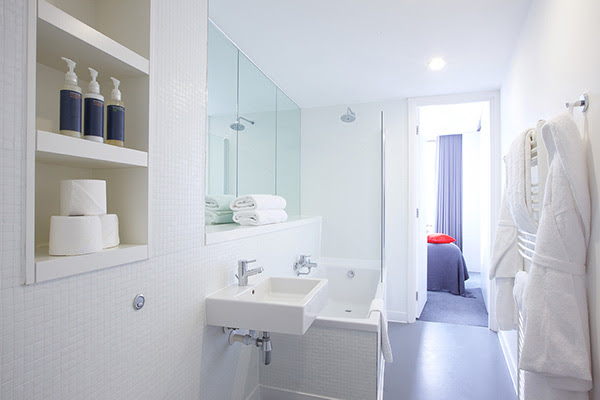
x=349 y=116
x=238 y=126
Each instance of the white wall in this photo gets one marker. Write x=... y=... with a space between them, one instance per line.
x=556 y=60
x=472 y=183
x=79 y=337
x=341 y=181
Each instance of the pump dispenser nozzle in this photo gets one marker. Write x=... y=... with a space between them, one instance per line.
x=116 y=93
x=94 y=87
x=70 y=77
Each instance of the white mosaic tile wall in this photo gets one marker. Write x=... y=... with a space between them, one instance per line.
x=13 y=35
x=326 y=362
x=79 y=337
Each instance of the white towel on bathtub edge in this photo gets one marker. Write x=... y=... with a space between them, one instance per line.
x=258 y=202
x=259 y=217
x=386 y=348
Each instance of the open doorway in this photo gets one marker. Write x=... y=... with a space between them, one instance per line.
x=452 y=169
x=453 y=179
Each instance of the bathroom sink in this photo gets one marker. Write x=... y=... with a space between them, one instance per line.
x=277 y=305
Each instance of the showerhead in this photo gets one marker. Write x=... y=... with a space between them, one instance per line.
x=238 y=126
x=349 y=116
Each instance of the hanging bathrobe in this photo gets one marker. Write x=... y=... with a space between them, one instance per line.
x=506 y=262
x=516 y=211
x=556 y=344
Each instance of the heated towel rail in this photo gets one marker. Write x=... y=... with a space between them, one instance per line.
x=526 y=240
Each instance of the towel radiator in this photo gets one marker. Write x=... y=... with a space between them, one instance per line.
x=526 y=240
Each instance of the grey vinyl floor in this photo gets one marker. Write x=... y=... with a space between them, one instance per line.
x=438 y=361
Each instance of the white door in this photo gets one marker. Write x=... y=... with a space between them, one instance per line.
x=421 y=225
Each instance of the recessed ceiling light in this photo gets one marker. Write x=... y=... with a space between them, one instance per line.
x=436 y=64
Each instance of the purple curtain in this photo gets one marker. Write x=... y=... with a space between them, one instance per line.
x=449 y=187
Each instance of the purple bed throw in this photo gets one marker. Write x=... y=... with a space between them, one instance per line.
x=446 y=268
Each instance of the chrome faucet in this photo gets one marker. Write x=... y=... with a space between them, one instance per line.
x=303 y=262
x=244 y=272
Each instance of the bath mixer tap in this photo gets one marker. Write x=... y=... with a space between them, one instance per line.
x=303 y=262
x=244 y=272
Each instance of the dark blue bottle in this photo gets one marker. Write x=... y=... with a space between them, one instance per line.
x=115 y=117
x=70 y=103
x=93 y=111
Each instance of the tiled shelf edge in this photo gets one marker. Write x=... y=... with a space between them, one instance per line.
x=54 y=148
x=227 y=232
x=61 y=34
x=49 y=267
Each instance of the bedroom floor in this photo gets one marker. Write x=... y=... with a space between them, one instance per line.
x=454 y=309
x=474 y=280
x=434 y=361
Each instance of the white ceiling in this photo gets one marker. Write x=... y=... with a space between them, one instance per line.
x=326 y=52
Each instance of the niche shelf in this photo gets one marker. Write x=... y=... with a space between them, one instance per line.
x=91 y=33
x=53 y=148
x=59 y=33
x=49 y=267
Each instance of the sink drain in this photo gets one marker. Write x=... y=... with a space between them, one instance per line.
x=348 y=310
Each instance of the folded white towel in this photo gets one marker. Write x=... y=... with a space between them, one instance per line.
x=259 y=217
x=218 y=202
x=218 y=217
x=258 y=202
x=377 y=305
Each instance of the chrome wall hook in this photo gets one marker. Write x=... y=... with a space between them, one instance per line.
x=584 y=102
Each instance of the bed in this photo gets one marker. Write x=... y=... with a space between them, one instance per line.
x=446 y=268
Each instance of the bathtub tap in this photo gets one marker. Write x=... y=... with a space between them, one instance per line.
x=303 y=262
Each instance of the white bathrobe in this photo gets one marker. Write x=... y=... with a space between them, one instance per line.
x=516 y=210
x=556 y=344
x=506 y=262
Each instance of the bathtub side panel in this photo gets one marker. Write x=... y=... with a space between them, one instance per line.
x=327 y=362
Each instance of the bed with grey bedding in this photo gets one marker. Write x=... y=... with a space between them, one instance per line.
x=446 y=268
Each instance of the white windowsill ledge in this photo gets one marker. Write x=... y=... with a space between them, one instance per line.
x=228 y=232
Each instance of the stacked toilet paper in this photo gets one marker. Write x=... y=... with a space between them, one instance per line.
x=83 y=226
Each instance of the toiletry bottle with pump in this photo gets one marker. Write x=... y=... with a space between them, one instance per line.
x=115 y=116
x=70 y=103
x=93 y=111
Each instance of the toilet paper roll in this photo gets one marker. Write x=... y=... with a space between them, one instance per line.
x=82 y=197
x=71 y=236
x=110 y=230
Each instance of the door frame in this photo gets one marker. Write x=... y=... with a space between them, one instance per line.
x=495 y=186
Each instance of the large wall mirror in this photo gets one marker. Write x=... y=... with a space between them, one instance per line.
x=253 y=143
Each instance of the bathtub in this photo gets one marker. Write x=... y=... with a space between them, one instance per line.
x=339 y=357
x=351 y=291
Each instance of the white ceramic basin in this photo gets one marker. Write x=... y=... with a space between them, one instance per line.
x=279 y=305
